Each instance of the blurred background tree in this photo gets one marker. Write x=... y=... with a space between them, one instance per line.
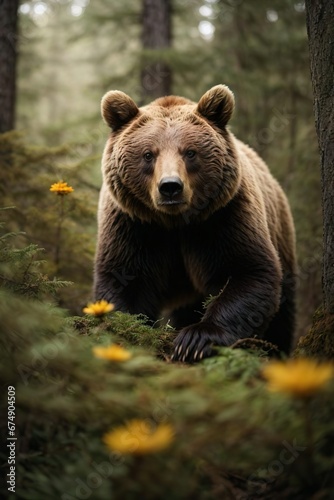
x=72 y=51
x=8 y=58
x=156 y=74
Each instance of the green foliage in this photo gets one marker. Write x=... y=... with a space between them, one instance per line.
x=20 y=269
x=232 y=436
x=66 y=401
x=63 y=225
x=129 y=329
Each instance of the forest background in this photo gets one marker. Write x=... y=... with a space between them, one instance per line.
x=72 y=51
x=220 y=431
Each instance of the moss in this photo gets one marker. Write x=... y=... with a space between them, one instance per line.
x=128 y=330
x=319 y=341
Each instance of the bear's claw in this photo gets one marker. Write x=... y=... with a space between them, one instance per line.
x=195 y=342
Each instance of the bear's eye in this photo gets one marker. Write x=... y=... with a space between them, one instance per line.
x=148 y=156
x=190 y=153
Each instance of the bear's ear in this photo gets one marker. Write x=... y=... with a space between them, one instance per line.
x=117 y=109
x=217 y=105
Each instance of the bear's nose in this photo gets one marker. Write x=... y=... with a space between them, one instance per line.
x=170 y=186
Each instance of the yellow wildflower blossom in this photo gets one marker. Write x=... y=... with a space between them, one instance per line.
x=61 y=188
x=98 y=308
x=138 y=437
x=298 y=377
x=112 y=353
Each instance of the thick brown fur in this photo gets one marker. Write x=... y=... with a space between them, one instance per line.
x=186 y=211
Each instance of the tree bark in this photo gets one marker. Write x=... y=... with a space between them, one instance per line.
x=156 y=75
x=320 y=29
x=8 y=58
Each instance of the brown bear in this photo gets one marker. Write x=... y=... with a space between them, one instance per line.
x=188 y=212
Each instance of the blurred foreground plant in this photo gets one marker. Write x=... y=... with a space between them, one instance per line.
x=138 y=437
x=112 y=353
x=301 y=378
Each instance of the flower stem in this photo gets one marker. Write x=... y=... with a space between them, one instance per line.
x=59 y=233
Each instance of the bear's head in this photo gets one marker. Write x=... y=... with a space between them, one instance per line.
x=172 y=161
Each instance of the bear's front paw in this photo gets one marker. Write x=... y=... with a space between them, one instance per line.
x=195 y=342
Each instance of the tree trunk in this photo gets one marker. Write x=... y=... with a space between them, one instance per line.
x=319 y=341
x=8 y=57
x=320 y=29
x=156 y=75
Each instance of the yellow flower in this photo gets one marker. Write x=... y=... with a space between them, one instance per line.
x=61 y=188
x=298 y=377
x=138 y=437
x=98 y=308
x=112 y=353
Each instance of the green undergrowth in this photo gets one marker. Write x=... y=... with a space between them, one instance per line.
x=127 y=329
x=233 y=438
x=63 y=226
